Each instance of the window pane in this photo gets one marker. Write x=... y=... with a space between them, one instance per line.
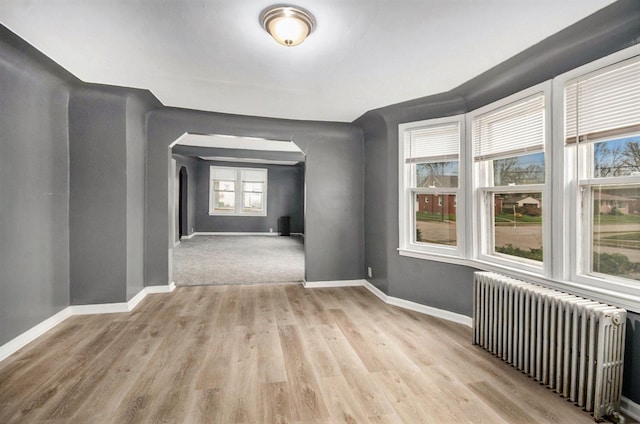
x=253 y=187
x=518 y=225
x=525 y=169
x=435 y=218
x=252 y=202
x=616 y=231
x=225 y=200
x=437 y=174
x=219 y=185
x=616 y=158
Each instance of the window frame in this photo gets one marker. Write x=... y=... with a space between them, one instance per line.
x=239 y=191
x=482 y=187
x=574 y=242
x=407 y=224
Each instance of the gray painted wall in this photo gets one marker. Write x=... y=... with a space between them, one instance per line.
x=285 y=197
x=190 y=165
x=447 y=286
x=136 y=146
x=631 y=387
x=34 y=188
x=107 y=163
x=334 y=233
x=98 y=203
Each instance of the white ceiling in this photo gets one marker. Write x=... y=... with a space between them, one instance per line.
x=213 y=54
x=234 y=142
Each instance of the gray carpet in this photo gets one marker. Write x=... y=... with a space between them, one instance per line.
x=210 y=260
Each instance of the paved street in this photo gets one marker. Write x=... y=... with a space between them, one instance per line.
x=528 y=236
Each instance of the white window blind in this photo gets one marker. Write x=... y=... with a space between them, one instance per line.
x=604 y=104
x=435 y=143
x=251 y=175
x=512 y=130
x=224 y=174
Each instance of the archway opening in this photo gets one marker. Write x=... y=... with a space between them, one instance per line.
x=241 y=193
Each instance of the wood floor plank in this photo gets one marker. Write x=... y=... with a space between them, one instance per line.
x=122 y=373
x=502 y=404
x=171 y=401
x=306 y=396
x=41 y=353
x=306 y=308
x=320 y=355
x=41 y=395
x=205 y=406
x=361 y=382
x=282 y=308
x=271 y=363
x=268 y=354
x=80 y=391
x=276 y=403
x=240 y=404
x=342 y=404
x=265 y=310
x=367 y=352
x=408 y=407
x=141 y=395
x=247 y=306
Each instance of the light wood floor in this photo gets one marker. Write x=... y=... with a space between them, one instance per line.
x=268 y=354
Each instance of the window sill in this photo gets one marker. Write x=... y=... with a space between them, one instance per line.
x=237 y=214
x=418 y=254
x=629 y=301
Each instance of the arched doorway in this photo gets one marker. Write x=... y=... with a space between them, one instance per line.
x=183 y=192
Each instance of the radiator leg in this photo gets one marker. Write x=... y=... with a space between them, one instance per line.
x=615 y=416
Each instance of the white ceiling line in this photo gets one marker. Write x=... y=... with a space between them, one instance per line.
x=250 y=160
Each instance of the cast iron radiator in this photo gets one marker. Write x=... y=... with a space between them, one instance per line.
x=573 y=345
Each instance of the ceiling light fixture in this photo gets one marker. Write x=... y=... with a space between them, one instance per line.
x=288 y=25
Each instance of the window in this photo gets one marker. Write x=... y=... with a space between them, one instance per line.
x=509 y=160
x=238 y=191
x=431 y=178
x=602 y=136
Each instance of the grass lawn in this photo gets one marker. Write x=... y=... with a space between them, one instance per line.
x=424 y=216
x=627 y=236
x=616 y=219
x=508 y=217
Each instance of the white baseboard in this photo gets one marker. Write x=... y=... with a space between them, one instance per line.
x=100 y=308
x=33 y=333
x=28 y=336
x=160 y=289
x=418 y=307
x=338 y=283
x=630 y=408
x=406 y=304
x=429 y=310
x=376 y=291
x=133 y=302
x=189 y=236
x=265 y=233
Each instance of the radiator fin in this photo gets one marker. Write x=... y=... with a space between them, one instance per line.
x=573 y=345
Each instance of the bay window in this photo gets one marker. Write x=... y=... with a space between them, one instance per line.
x=548 y=180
